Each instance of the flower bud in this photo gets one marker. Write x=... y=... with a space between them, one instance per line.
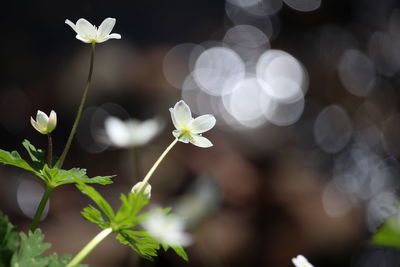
x=146 y=191
x=44 y=124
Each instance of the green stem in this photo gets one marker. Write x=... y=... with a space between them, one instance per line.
x=89 y=247
x=80 y=109
x=40 y=209
x=151 y=171
x=49 y=151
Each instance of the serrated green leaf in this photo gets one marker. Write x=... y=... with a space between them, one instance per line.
x=98 y=199
x=139 y=241
x=9 y=240
x=29 y=252
x=56 y=177
x=388 y=234
x=181 y=252
x=13 y=158
x=131 y=205
x=93 y=215
x=37 y=156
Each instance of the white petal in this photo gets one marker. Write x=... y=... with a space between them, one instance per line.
x=41 y=119
x=105 y=27
x=173 y=118
x=114 y=36
x=117 y=131
x=202 y=124
x=83 y=39
x=70 y=23
x=34 y=124
x=111 y=36
x=182 y=114
x=52 y=123
x=200 y=141
x=85 y=29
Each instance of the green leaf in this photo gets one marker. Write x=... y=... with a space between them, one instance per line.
x=98 y=199
x=131 y=205
x=139 y=241
x=13 y=158
x=388 y=234
x=93 y=215
x=56 y=177
x=181 y=252
x=38 y=156
x=31 y=247
x=9 y=240
x=31 y=250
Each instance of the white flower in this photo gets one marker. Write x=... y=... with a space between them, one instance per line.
x=89 y=33
x=167 y=229
x=43 y=123
x=147 y=189
x=301 y=261
x=132 y=132
x=189 y=129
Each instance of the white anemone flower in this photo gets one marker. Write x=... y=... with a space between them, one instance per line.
x=131 y=133
x=146 y=191
x=189 y=129
x=44 y=124
x=301 y=261
x=88 y=33
x=167 y=229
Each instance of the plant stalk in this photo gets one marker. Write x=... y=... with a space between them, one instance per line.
x=89 y=247
x=151 y=171
x=80 y=109
x=49 y=151
x=40 y=209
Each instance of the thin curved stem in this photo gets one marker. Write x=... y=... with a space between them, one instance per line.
x=49 y=151
x=40 y=209
x=151 y=171
x=80 y=109
x=89 y=247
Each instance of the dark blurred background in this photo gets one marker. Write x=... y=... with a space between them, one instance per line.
x=305 y=156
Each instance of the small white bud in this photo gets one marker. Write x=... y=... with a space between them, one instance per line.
x=44 y=124
x=146 y=191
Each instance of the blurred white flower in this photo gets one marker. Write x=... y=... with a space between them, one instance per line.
x=167 y=229
x=89 y=33
x=132 y=132
x=301 y=261
x=146 y=191
x=189 y=129
x=43 y=123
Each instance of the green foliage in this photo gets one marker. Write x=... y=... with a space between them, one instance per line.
x=388 y=234
x=53 y=177
x=20 y=250
x=181 y=252
x=93 y=215
x=31 y=250
x=140 y=242
x=56 y=177
x=97 y=198
x=9 y=240
x=122 y=222
x=13 y=158
x=37 y=156
x=127 y=215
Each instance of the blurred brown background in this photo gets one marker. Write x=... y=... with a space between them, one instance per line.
x=304 y=165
